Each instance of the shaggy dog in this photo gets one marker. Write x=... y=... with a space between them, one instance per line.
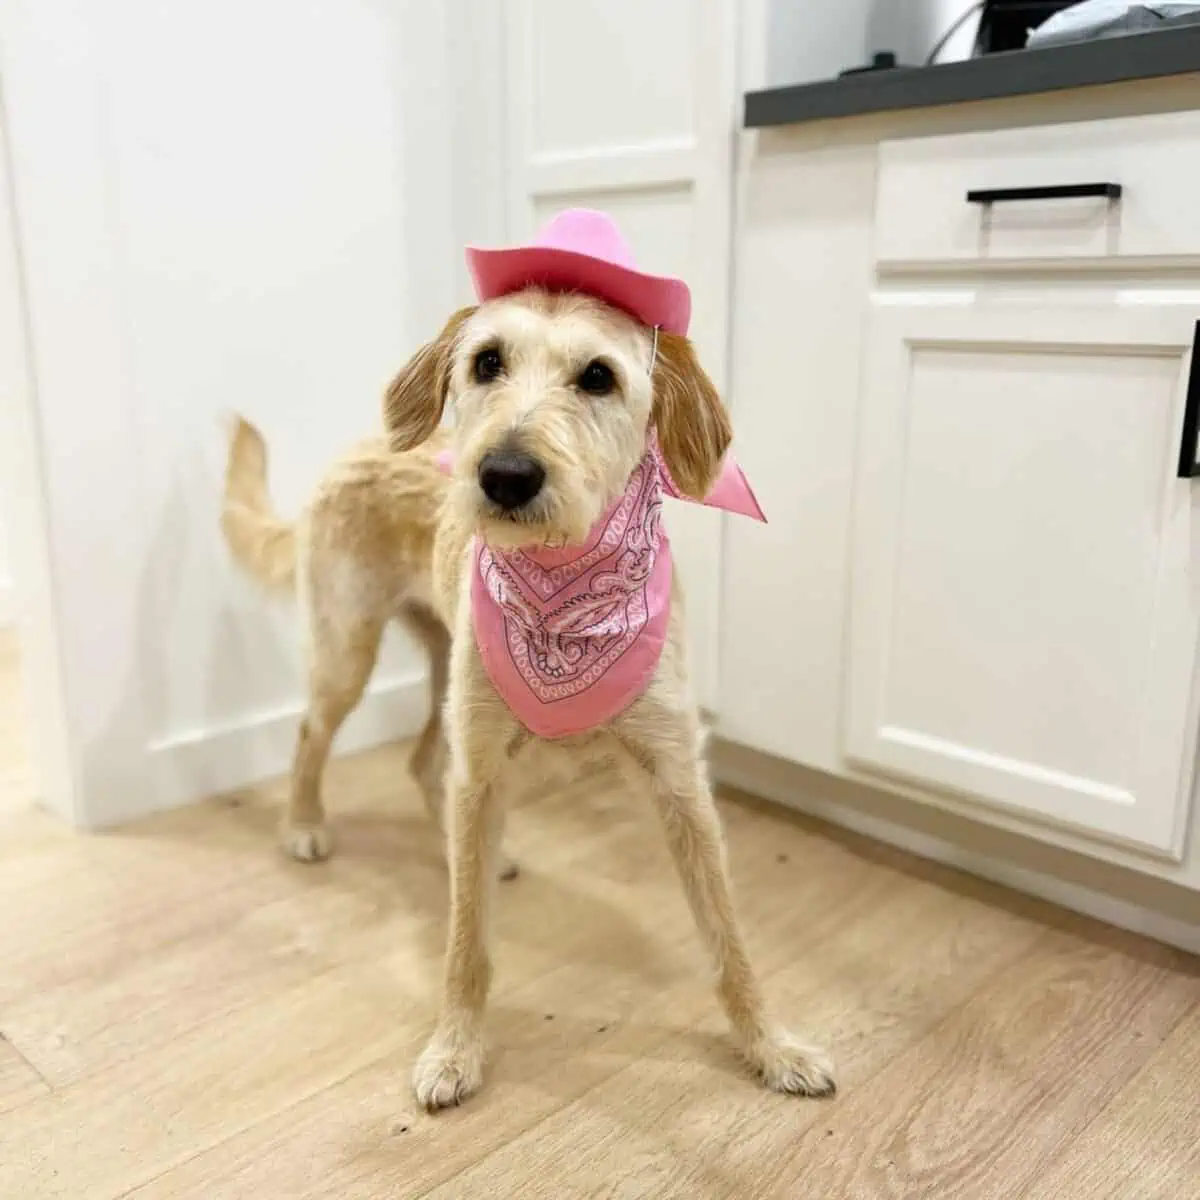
x=556 y=398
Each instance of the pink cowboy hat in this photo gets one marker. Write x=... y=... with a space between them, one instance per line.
x=582 y=250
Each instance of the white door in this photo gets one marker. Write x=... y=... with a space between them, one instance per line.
x=1026 y=573
x=631 y=106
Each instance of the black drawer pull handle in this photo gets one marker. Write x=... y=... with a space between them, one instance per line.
x=1062 y=191
x=1191 y=416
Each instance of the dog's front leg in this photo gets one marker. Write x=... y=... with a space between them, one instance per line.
x=451 y=1067
x=667 y=748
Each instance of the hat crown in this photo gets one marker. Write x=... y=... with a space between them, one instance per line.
x=582 y=251
x=586 y=231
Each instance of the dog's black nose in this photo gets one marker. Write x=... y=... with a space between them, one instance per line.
x=511 y=480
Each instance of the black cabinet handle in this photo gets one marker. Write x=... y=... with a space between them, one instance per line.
x=1062 y=191
x=1191 y=416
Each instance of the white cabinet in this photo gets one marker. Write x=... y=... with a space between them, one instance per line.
x=1026 y=563
x=980 y=586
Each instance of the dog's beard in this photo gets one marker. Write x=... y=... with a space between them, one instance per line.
x=512 y=530
x=549 y=520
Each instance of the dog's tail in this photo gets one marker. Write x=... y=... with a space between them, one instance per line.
x=261 y=542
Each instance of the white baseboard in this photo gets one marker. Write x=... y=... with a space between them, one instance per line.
x=1110 y=909
x=193 y=766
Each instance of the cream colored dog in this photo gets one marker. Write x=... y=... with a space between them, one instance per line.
x=520 y=373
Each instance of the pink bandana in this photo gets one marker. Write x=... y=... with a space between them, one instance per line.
x=571 y=636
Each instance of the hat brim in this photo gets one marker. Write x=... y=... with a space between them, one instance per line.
x=653 y=299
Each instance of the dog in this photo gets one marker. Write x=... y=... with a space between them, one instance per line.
x=556 y=395
x=577 y=399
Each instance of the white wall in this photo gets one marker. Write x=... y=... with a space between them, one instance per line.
x=815 y=39
x=818 y=39
x=24 y=501
x=6 y=584
x=221 y=204
x=286 y=247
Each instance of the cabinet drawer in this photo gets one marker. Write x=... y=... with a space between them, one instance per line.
x=923 y=214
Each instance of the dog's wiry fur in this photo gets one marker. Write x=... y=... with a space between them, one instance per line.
x=588 y=447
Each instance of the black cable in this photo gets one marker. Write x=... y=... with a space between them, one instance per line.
x=941 y=42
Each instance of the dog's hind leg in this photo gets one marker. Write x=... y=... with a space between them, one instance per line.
x=430 y=755
x=428 y=761
x=342 y=656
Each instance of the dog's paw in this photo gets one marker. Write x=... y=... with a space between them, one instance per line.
x=448 y=1072
x=306 y=843
x=787 y=1065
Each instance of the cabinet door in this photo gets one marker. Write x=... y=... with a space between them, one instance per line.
x=1026 y=573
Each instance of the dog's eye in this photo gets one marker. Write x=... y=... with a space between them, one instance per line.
x=596 y=379
x=488 y=365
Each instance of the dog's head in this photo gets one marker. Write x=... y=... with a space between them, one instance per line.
x=554 y=397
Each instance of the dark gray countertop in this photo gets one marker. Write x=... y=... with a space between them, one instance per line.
x=1020 y=73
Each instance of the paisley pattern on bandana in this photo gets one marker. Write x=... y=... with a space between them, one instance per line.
x=582 y=627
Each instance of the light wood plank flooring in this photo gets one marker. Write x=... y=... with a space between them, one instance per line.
x=183 y=1013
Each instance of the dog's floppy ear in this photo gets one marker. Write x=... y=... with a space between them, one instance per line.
x=693 y=426
x=413 y=404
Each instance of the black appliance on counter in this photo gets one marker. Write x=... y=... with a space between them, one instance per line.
x=1005 y=24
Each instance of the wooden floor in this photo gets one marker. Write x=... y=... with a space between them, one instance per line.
x=186 y=1014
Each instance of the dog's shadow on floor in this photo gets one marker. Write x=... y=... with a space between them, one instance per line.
x=391 y=864
x=402 y=855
